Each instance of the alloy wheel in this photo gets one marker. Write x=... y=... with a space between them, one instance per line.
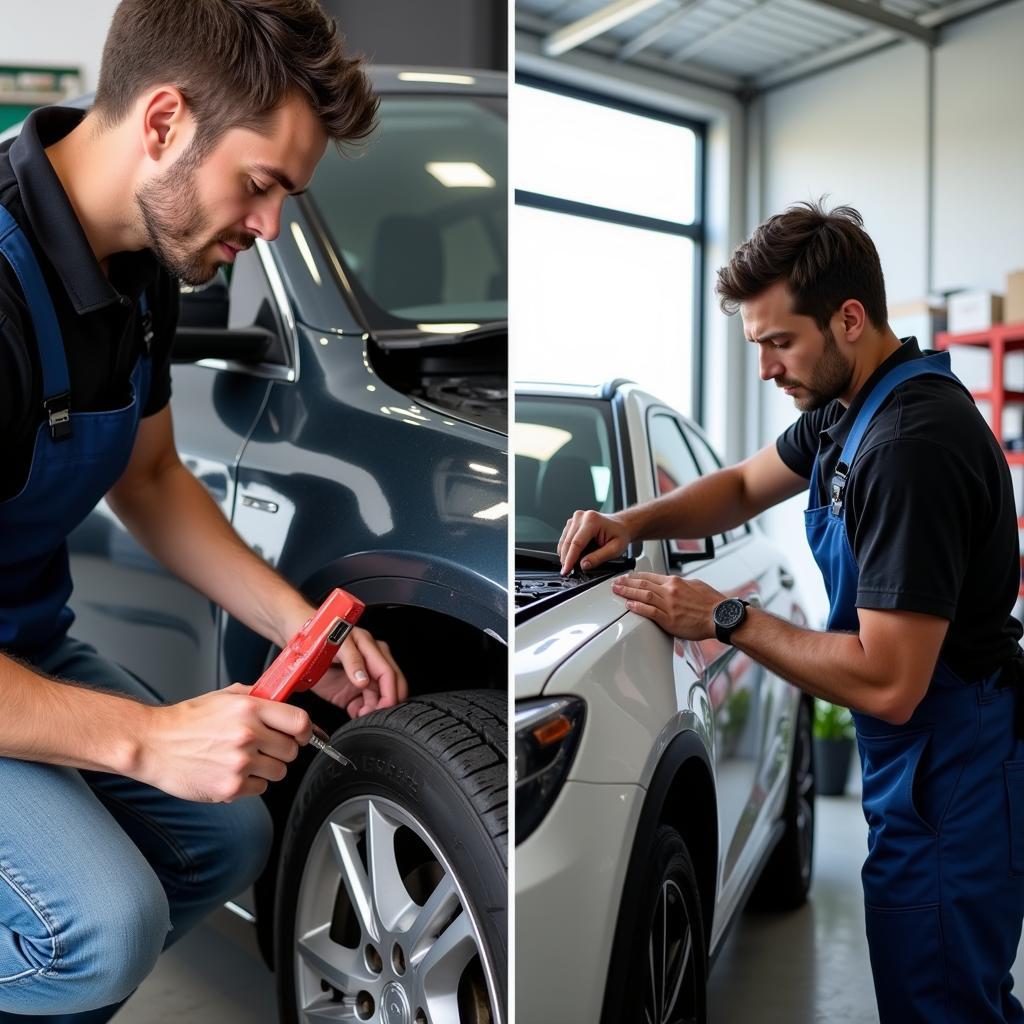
x=670 y=994
x=383 y=930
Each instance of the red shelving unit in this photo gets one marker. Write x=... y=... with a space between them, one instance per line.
x=1001 y=340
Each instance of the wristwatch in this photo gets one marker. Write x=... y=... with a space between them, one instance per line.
x=729 y=615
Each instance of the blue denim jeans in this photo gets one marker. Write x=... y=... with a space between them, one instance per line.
x=99 y=873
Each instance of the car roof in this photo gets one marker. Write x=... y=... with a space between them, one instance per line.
x=604 y=391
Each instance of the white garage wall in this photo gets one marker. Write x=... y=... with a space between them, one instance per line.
x=860 y=133
x=979 y=151
x=58 y=32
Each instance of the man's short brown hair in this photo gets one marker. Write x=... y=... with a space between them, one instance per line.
x=825 y=258
x=235 y=62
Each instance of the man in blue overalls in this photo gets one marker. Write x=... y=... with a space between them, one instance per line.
x=912 y=522
x=120 y=823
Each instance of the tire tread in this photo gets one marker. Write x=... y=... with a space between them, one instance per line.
x=467 y=733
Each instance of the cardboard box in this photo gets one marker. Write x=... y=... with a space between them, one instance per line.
x=921 y=319
x=974 y=311
x=1013 y=307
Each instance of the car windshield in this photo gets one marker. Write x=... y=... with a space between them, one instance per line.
x=565 y=460
x=419 y=217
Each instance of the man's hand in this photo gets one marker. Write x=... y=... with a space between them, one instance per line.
x=683 y=608
x=610 y=532
x=364 y=676
x=220 y=746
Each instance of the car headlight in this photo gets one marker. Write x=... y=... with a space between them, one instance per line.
x=547 y=735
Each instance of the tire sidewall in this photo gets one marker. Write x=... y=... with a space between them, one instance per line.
x=395 y=767
x=668 y=858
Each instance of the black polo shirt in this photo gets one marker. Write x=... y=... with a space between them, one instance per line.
x=97 y=315
x=930 y=512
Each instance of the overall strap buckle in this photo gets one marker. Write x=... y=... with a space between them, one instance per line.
x=842 y=471
x=147 y=330
x=58 y=415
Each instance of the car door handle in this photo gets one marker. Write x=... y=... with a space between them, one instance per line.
x=786 y=578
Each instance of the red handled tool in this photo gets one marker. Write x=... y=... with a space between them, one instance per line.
x=308 y=656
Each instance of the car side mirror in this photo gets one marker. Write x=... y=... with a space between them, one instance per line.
x=239 y=344
x=677 y=557
x=205 y=305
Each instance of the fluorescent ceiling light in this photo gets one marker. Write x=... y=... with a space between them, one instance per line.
x=428 y=76
x=539 y=441
x=498 y=511
x=479 y=468
x=306 y=252
x=460 y=175
x=447 y=328
x=594 y=24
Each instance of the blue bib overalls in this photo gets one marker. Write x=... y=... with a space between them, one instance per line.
x=944 y=801
x=98 y=872
x=76 y=460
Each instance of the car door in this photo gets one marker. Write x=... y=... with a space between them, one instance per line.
x=731 y=679
x=766 y=737
x=128 y=605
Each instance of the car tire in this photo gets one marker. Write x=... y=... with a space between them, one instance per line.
x=391 y=893
x=669 y=933
x=786 y=879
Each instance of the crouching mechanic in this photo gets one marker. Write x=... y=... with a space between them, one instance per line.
x=121 y=822
x=911 y=520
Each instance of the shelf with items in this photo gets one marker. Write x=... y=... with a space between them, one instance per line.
x=1001 y=340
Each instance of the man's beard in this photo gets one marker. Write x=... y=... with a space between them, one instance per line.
x=829 y=379
x=175 y=221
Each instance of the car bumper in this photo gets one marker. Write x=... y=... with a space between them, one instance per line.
x=569 y=878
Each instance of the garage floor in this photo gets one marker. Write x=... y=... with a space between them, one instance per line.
x=798 y=968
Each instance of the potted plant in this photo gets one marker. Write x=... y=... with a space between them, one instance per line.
x=833 y=746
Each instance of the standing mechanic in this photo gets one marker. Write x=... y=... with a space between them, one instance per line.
x=120 y=825
x=911 y=519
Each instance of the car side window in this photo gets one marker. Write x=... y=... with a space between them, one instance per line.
x=710 y=463
x=252 y=303
x=674 y=466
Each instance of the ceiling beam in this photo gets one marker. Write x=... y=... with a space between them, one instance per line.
x=878 y=15
x=698 y=44
x=600 y=21
x=657 y=30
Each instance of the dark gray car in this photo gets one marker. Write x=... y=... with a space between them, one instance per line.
x=343 y=398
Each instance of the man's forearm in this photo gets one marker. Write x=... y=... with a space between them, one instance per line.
x=710 y=505
x=60 y=723
x=175 y=519
x=833 y=666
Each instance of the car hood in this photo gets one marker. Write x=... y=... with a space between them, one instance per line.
x=546 y=640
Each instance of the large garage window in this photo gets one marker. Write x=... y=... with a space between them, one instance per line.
x=606 y=242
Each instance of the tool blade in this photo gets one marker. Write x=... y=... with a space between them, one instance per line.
x=326 y=748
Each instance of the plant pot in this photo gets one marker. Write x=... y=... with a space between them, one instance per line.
x=832 y=765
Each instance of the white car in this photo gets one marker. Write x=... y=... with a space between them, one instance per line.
x=657 y=781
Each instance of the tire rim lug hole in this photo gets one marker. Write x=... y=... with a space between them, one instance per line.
x=398 y=961
x=364 y=1006
x=373 y=959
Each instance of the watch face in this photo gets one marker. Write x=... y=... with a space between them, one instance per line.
x=729 y=613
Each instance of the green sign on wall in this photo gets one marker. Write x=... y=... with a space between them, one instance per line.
x=22 y=89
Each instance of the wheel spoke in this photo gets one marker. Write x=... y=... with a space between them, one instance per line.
x=650 y=964
x=431 y=918
x=442 y=965
x=338 y=965
x=683 y=965
x=390 y=898
x=346 y=852
x=327 y=1010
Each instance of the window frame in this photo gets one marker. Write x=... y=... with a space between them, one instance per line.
x=696 y=231
x=673 y=558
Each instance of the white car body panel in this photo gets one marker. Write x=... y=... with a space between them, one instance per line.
x=642 y=689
